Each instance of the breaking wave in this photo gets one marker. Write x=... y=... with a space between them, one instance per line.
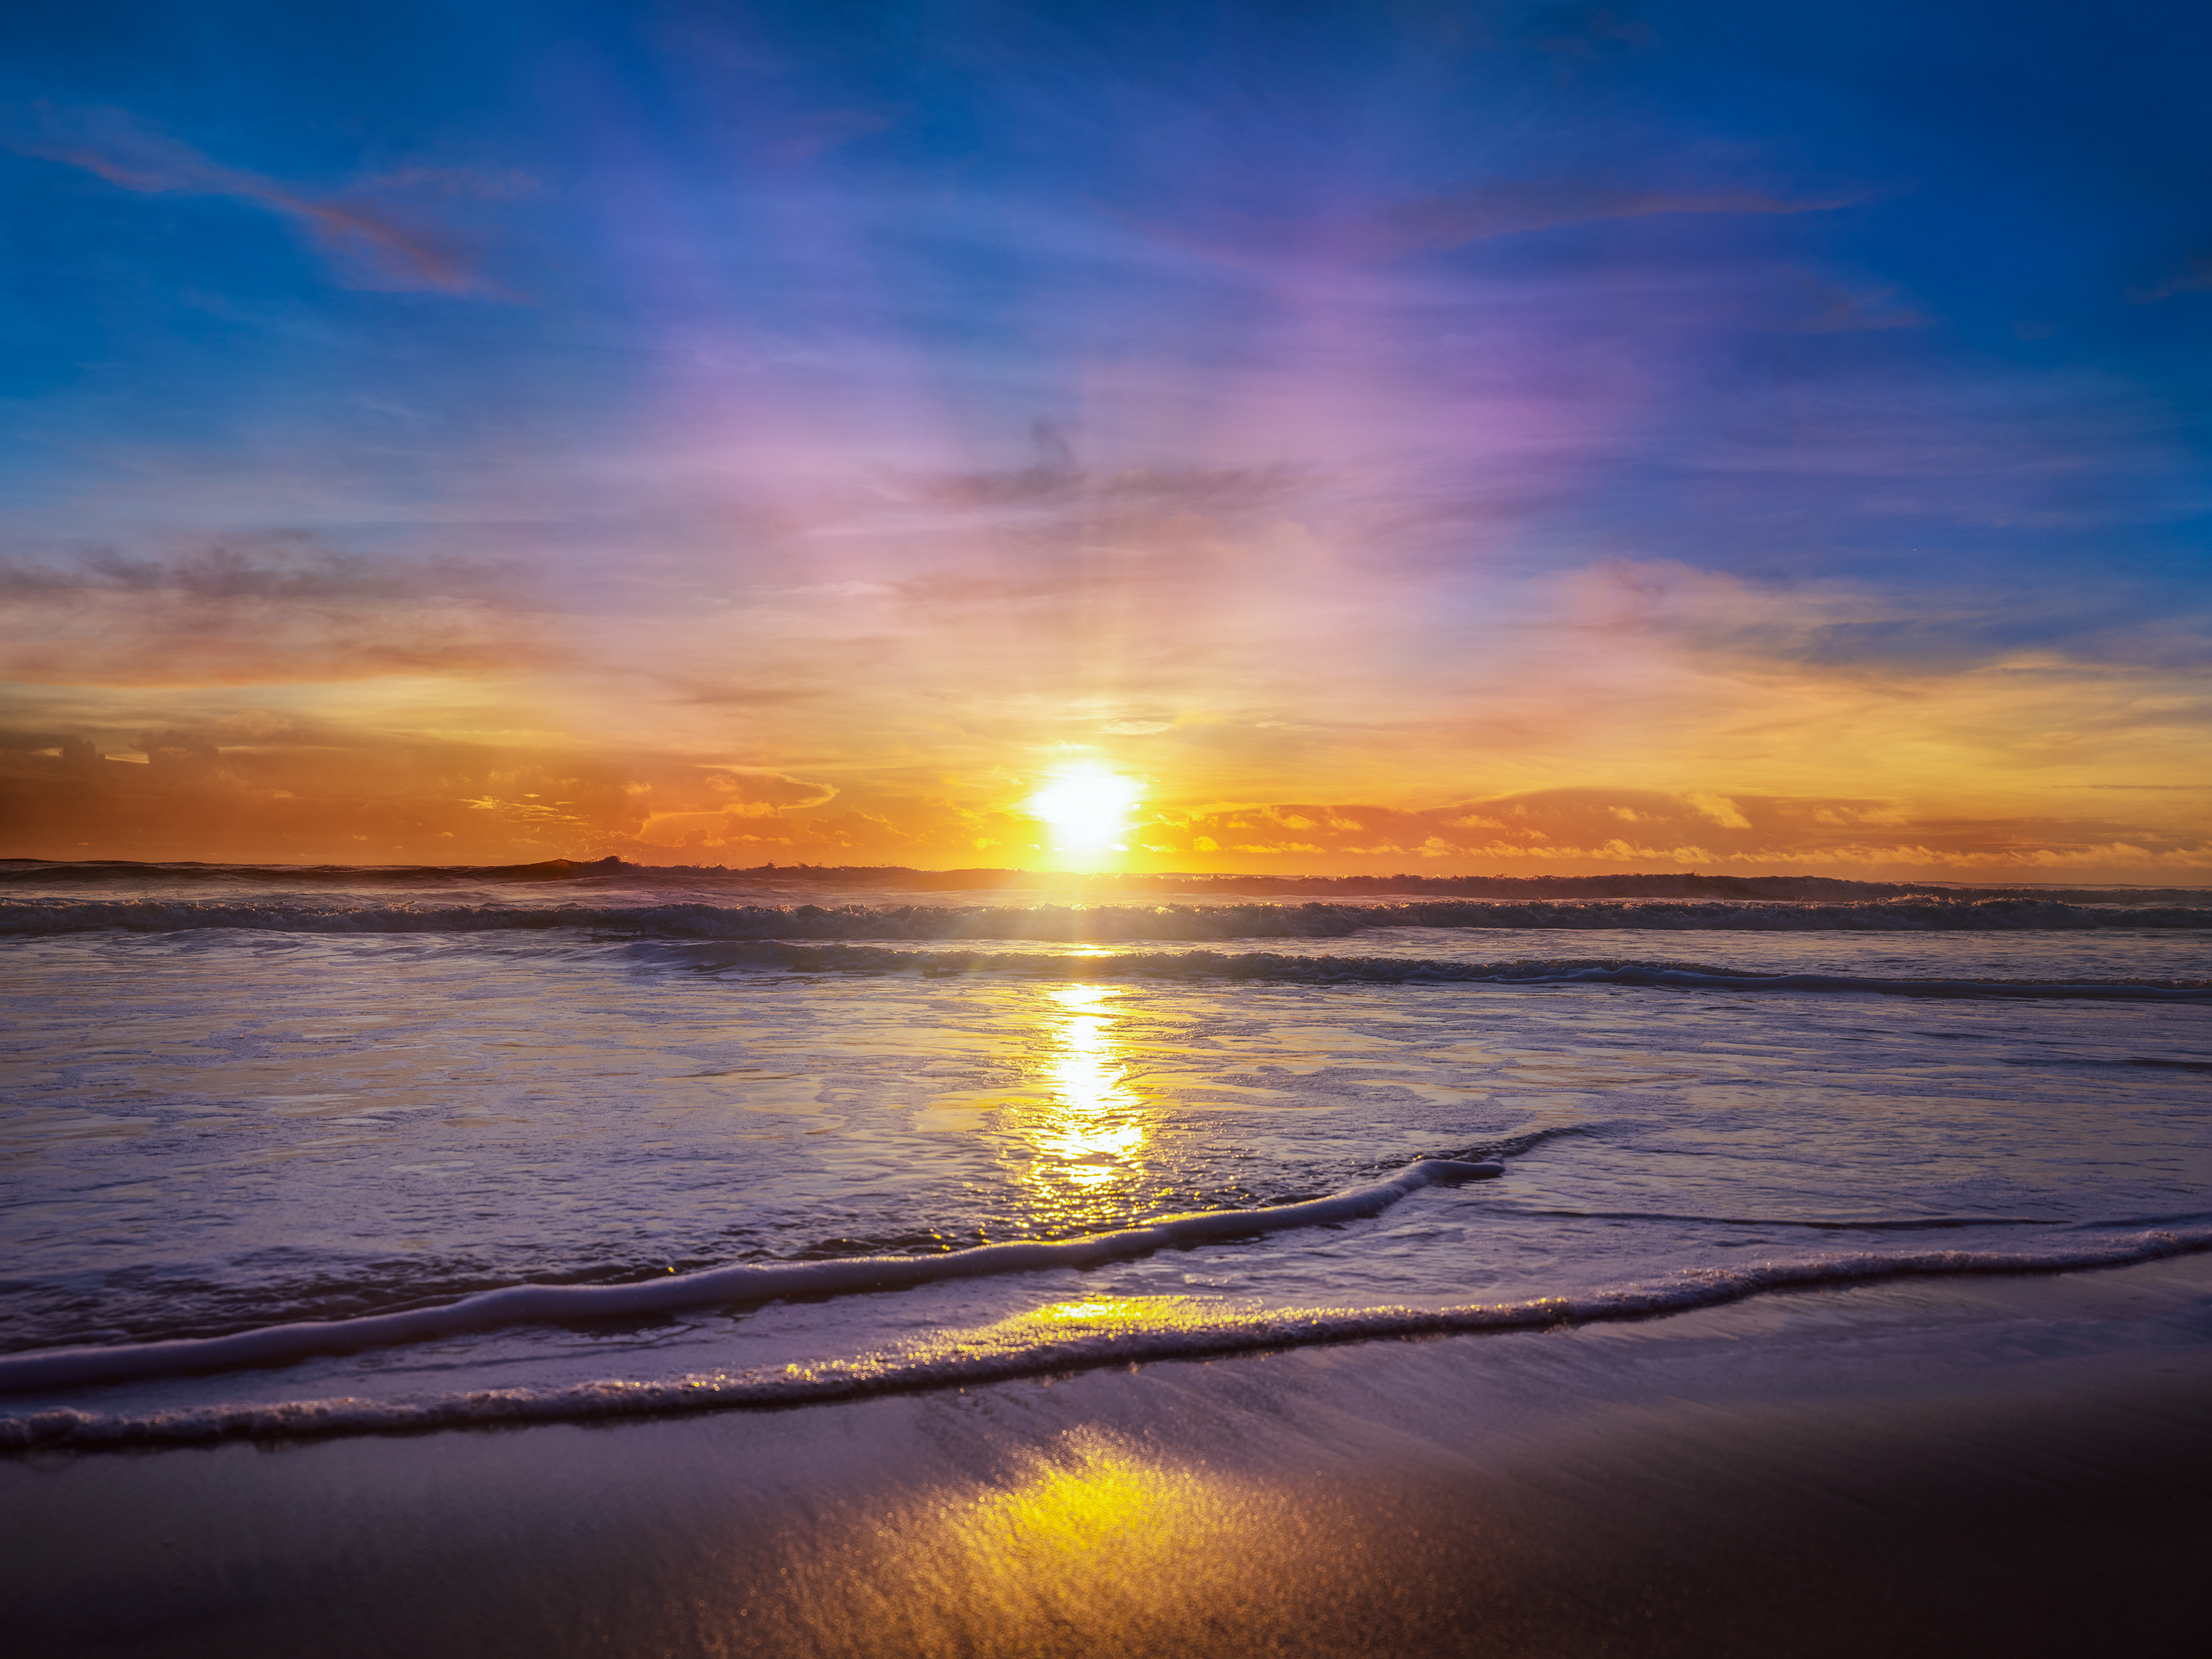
x=803 y=941
x=1086 y=924
x=1403 y=971
x=1079 y=1337
x=753 y=1282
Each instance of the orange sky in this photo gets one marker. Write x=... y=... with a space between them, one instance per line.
x=1273 y=705
x=717 y=435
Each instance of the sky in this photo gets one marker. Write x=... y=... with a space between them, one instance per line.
x=1401 y=435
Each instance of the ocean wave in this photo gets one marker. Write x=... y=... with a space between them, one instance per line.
x=553 y=1305
x=1077 y=1336
x=799 y=882
x=706 y=937
x=1412 y=970
x=1071 y=924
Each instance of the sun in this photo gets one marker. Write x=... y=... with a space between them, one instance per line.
x=1087 y=806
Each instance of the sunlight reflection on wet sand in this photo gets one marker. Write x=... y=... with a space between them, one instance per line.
x=1091 y=1533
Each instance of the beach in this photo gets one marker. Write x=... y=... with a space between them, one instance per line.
x=712 y=1262
x=978 y=828
x=2001 y=1465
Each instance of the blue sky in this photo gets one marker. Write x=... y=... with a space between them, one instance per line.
x=1414 y=405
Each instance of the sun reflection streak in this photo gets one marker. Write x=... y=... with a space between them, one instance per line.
x=1086 y=1138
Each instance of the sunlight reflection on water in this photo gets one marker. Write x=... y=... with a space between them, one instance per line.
x=1085 y=1136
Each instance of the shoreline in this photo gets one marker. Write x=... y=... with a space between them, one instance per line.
x=1083 y=1346
x=1997 y=1466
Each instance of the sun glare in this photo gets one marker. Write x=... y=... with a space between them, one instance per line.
x=1087 y=806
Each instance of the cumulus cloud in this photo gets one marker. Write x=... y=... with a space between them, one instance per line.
x=759 y=787
x=1721 y=809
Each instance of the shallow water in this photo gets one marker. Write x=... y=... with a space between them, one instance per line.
x=211 y=1129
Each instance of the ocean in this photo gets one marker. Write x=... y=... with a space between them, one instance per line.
x=313 y=1153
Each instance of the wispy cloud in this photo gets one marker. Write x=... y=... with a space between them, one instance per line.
x=1482 y=210
x=818 y=133
x=369 y=244
x=261 y=611
x=1479 y=211
x=1205 y=489
x=2195 y=277
x=295 y=566
x=1835 y=309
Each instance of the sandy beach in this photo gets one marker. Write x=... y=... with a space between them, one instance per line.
x=2009 y=1464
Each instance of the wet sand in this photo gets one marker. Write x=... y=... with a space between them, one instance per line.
x=2002 y=1466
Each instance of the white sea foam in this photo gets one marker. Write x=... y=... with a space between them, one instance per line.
x=524 y=1305
x=1027 y=1348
